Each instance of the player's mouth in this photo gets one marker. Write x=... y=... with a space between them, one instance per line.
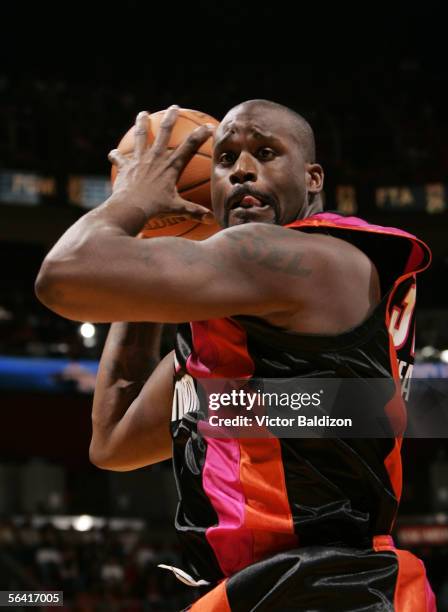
x=249 y=201
x=247 y=197
x=246 y=205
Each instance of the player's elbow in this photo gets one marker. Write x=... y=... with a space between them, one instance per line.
x=98 y=459
x=118 y=457
x=58 y=288
x=47 y=287
x=104 y=460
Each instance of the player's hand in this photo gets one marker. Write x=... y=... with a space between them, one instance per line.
x=147 y=179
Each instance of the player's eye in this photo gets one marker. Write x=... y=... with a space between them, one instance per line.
x=266 y=154
x=227 y=158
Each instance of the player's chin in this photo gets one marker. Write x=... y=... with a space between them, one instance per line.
x=246 y=221
x=243 y=216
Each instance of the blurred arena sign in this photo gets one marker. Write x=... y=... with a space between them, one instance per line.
x=63 y=374
x=430 y=198
x=88 y=191
x=430 y=370
x=418 y=535
x=346 y=201
x=25 y=188
x=47 y=374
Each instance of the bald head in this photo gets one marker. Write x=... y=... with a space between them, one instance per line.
x=265 y=151
x=300 y=128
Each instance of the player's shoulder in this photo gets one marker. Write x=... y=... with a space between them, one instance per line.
x=303 y=277
x=285 y=267
x=325 y=249
x=266 y=233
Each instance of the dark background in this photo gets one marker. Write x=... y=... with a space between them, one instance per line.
x=371 y=81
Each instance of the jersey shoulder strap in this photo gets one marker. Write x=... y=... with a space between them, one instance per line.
x=356 y=230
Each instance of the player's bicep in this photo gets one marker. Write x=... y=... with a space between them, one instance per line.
x=267 y=270
x=254 y=270
x=142 y=437
x=251 y=270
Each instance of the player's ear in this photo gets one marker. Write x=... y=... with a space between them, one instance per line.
x=314 y=178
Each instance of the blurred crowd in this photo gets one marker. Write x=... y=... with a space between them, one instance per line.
x=29 y=329
x=104 y=570
x=393 y=131
x=98 y=570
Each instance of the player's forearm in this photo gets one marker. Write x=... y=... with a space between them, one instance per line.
x=173 y=280
x=76 y=253
x=131 y=352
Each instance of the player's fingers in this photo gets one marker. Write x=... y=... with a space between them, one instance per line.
x=189 y=210
x=165 y=129
x=184 y=152
x=116 y=158
x=141 y=133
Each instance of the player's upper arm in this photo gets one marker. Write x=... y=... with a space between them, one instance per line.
x=254 y=269
x=142 y=436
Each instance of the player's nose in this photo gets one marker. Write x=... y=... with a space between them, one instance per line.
x=244 y=170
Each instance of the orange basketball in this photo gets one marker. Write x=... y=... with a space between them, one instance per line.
x=193 y=183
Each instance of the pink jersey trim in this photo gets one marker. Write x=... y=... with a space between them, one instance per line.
x=230 y=540
x=220 y=351
x=419 y=258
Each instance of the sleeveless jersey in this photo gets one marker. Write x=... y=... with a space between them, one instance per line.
x=245 y=500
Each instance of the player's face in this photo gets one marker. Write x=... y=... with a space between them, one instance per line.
x=259 y=169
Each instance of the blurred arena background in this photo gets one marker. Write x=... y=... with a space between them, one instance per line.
x=382 y=136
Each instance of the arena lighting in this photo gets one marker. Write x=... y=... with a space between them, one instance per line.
x=428 y=351
x=83 y=522
x=441 y=517
x=87 y=330
x=444 y=356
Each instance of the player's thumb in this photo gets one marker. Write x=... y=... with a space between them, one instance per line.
x=194 y=211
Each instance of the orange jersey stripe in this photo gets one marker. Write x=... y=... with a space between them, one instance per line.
x=214 y=601
x=413 y=592
x=268 y=514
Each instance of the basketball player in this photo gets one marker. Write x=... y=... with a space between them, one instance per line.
x=285 y=290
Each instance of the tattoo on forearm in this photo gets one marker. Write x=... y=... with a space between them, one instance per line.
x=292 y=264
x=258 y=250
x=255 y=249
x=188 y=254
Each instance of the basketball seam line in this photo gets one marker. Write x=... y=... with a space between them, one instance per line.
x=193 y=186
x=188 y=230
x=197 y=152
x=199 y=125
x=193 y=120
